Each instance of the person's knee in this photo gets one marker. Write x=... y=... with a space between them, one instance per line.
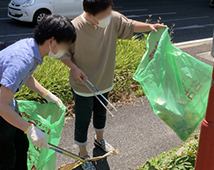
x=81 y=135
x=99 y=121
x=99 y=116
x=99 y=110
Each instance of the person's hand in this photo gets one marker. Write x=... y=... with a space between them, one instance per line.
x=37 y=137
x=79 y=75
x=154 y=27
x=52 y=98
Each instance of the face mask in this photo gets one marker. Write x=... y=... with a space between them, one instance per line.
x=59 y=54
x=104 y=22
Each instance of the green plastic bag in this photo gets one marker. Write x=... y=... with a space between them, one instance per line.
x=175 y=83
x=50 y=119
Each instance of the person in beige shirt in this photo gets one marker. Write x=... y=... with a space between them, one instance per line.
x=92 y=57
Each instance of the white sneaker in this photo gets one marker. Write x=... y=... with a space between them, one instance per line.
x=105 y=146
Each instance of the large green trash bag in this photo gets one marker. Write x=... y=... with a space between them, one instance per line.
x=50 y=119
x=175 y=83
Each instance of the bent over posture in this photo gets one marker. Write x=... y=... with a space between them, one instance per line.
x=17 y=64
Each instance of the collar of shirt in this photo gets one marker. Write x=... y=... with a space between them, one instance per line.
x=36 y=51
x=87 y=21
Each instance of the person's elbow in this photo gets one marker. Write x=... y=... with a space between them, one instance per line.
x=6 y=96
x=29 y=79
x=1 y=108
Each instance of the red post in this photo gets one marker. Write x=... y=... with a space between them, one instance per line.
x=205 y=154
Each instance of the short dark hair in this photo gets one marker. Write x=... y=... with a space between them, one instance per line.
x=95 y=6
x=56 y=26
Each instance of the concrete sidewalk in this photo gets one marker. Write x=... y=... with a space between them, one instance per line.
x=200 y=50
x=135 y=130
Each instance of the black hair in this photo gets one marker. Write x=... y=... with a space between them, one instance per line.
x=95 y=6
x=56 y=26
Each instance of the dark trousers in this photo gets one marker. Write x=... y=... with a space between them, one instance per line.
x=13 y=147
x=84 y=106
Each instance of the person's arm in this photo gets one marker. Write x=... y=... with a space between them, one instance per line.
x=79 y=75
x=126 y=27
x=144 y=27
x=34 y=85
x=7 y=112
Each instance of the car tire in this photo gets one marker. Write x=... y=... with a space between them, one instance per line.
x=39 y=15
x=212 y=3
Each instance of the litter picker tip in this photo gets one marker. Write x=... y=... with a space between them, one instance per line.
x=101 y=95
x=84 y=81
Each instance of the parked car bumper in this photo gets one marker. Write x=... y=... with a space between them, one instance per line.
x=21 y=13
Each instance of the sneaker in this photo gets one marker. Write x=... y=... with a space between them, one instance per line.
x=105 y=146
x=88 y=165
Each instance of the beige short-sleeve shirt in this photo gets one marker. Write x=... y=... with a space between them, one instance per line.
x=95 y=49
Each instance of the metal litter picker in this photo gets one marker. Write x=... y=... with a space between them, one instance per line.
x=98 y=97
x=80 y=160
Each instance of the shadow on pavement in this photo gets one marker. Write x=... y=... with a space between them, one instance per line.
x=103 y=163
x=100 y=164
x=78 y=168
x=16 y=23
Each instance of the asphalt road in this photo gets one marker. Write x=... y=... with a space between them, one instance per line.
x=193 y=19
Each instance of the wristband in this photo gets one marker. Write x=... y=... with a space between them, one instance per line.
x=45 y=93
x=27 y=129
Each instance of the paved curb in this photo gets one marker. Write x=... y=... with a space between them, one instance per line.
x=185 y=44
x=193 y=43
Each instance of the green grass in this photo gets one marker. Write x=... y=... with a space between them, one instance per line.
x=173 y=160
x=53 y=74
